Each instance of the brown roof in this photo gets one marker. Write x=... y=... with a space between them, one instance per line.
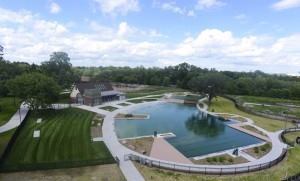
x=102 y=86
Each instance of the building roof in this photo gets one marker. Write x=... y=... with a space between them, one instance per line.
x=102 y=86
x=110 y=93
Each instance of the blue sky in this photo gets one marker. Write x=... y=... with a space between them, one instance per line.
x=223 y=34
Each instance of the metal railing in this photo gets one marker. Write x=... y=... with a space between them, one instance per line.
x=289 y=130
x=203 y=169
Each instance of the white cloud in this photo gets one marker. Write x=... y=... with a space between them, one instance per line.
x=173 y=7
x=205 y=4
x=286 y=4
x=27 y=37
x=54 y=8
x=240 y=17
x=114 y=7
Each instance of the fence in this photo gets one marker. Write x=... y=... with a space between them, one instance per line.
x=202 y=169
x=288 y=131
x=239 y=105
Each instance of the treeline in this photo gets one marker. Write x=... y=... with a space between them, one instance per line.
x=37 y=85
x=187 y=76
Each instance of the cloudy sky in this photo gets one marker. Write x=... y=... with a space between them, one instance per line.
x=224 y=34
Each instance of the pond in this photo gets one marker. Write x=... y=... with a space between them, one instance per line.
x=196 y=133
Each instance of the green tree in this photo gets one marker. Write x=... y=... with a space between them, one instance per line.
x=60 y=69
x=35 y=89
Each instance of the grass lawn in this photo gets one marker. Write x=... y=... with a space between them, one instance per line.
x=287 y=167
x=108 y=108
x=65 y=141
x=291 y=137
x=152 y=90
x=136 y=101
x=7 y=108
x=108 y=172
x=253 y=129
x=221 y=104
x=276 y=110
x=266 y=100
x=4 y=139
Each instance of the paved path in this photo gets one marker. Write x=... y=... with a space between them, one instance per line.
x=110 y=138
x=162 y=150
x=128 y=168
x=15 y=120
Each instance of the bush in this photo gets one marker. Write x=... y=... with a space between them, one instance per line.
x=230 y=160
x=221 y=159
x=214 y=159
x=208 y=159
x=256 y=150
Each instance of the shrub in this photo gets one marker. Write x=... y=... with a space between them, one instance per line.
x=256 y=150
x=214 y=159
x=230 y=160
x=208 y=159
x=221 y=159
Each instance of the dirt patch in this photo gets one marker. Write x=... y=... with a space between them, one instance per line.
x=102 y=172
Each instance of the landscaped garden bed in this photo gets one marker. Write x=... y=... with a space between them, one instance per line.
x=259 y=151
x=131 y=116
x=136 y=101
x=140 y=145
x=109 y=108
x=123 y=104
x=224 y=159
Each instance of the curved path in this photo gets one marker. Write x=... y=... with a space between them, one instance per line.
x=16 y=119
x=128 y=168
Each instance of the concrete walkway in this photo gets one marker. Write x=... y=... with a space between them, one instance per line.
x=162 y=150
x=128 y=168
x=16 y=119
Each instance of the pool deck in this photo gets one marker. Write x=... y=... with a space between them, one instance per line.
x=239 y=127
x=163 y=150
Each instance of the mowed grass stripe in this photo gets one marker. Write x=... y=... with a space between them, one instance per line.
x=65 y=136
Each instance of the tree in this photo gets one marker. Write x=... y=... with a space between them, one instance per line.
x=35 y=89
x=1 y=52
x=60 y=69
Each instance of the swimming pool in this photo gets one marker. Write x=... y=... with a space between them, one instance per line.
x=196 y=133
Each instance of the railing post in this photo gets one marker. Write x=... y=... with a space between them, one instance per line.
x=234 y=170
x=221 y=172
x=248 y=169
x=205 y=170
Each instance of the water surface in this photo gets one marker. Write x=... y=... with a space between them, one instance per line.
x=196 y=133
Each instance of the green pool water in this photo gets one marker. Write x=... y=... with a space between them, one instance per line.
x=196 y=134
